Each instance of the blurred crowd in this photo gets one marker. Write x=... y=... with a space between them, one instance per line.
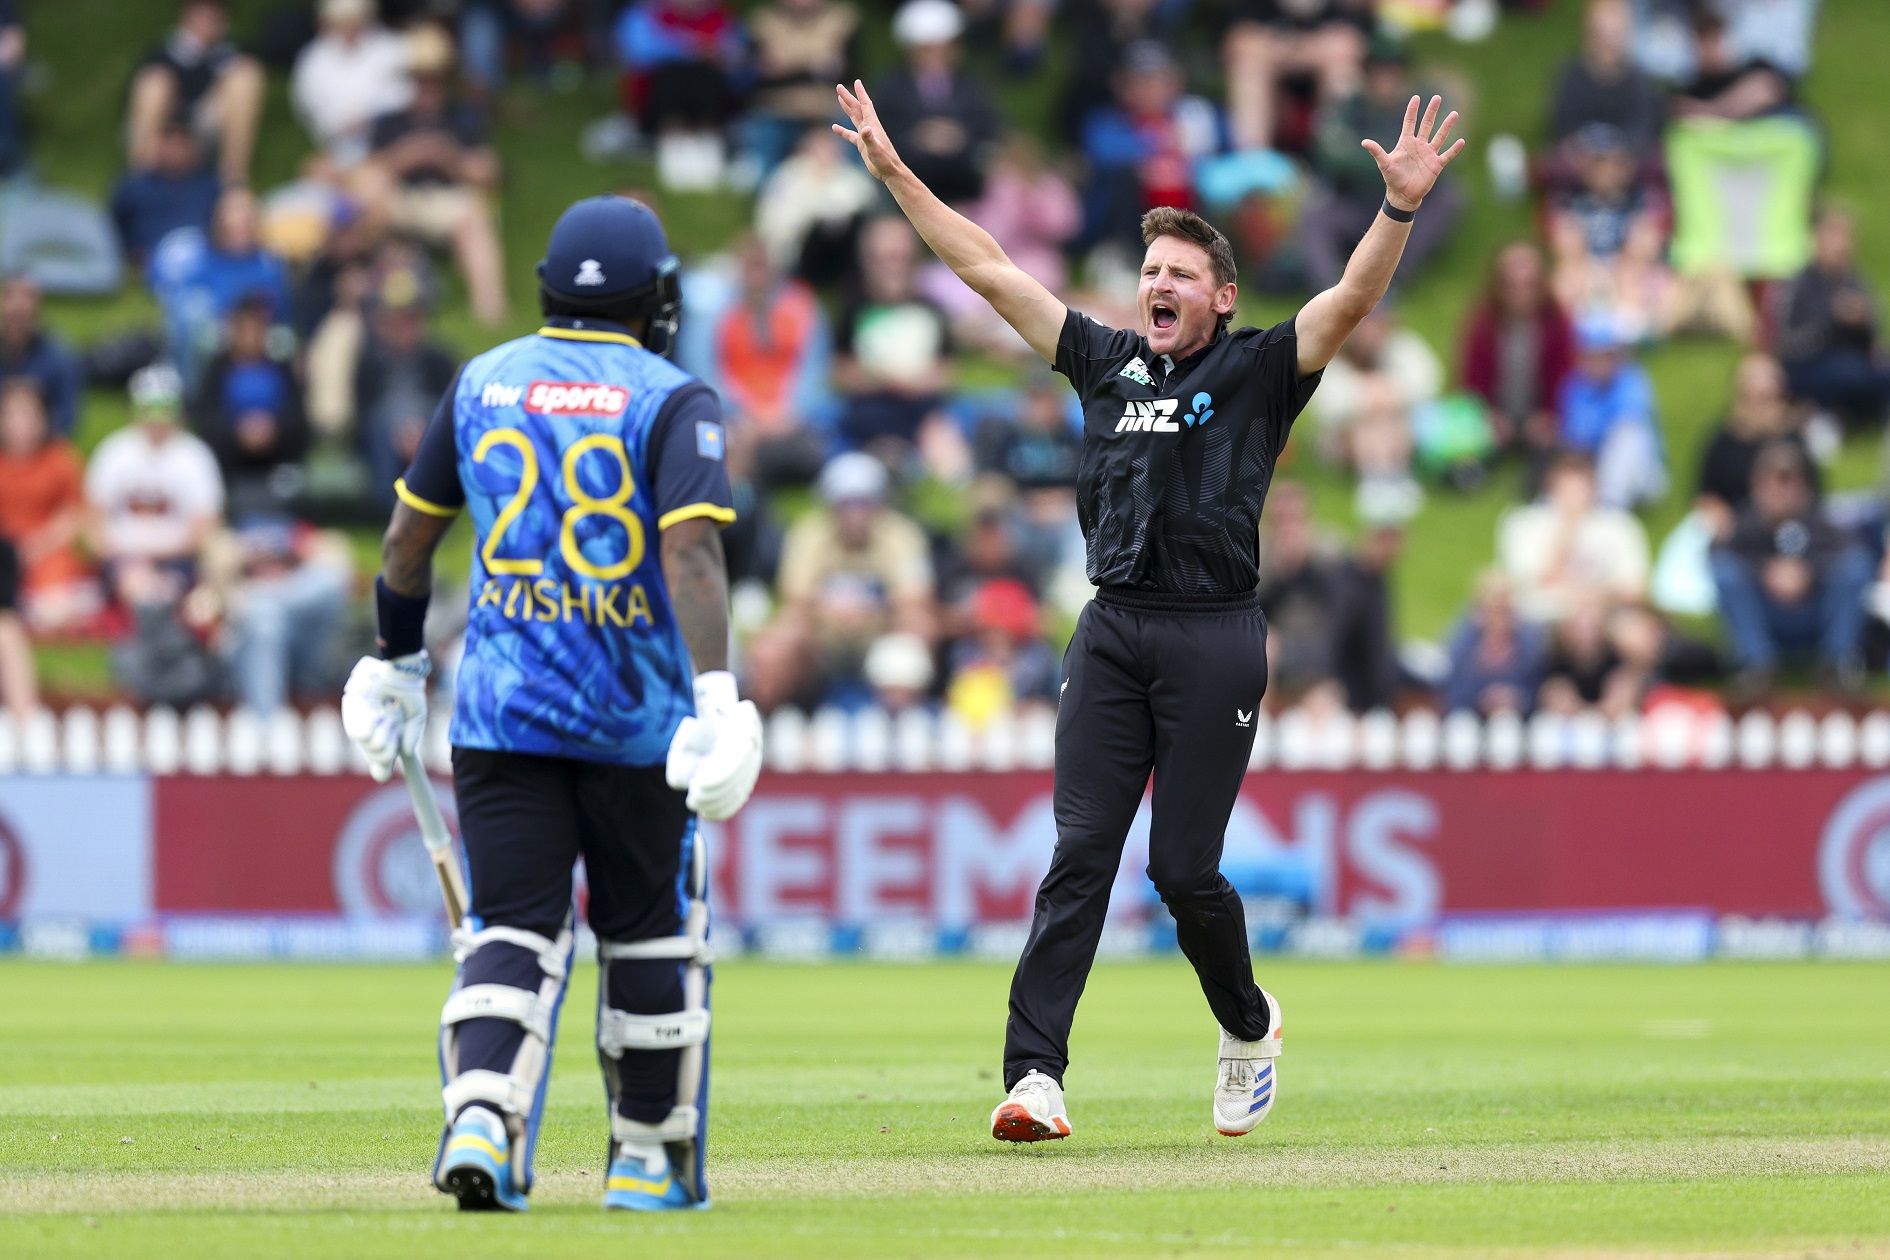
x=904 y=468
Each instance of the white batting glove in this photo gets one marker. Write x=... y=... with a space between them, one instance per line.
x=384 y=709
x=716 y=755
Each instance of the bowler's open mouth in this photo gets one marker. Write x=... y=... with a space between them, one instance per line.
x=1162 y=316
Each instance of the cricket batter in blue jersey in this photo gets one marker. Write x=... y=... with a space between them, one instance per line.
x=596 y=716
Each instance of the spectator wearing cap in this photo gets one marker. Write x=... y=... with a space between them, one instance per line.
x=42 y=512
x=854 y=569
x=892 y=347
x=431 y=172
x=1142 y=149
x=29 y=348
x=1496 y=658
x=899 y=670
x=248 y=406
x=399 y=379
x=155 y=493
x=198 y=281
x=1270 y=40
x=1566 y=548
x=1607 y=233
x=1349 y=188
x=198 y=78
x=1760 y=415
x=1002 y=662
x=351 y=73
x=684 y=63
x=1789 y=582
x=1601 y=84
x=939 y=117
x=1830 y=331
x=1607 y=413
x=177 y=190
x=801 y=49
x=282 y=591
x=1517 y=348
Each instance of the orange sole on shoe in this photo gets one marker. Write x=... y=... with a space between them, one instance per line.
x=1226 y=1133
x=1014 y=1123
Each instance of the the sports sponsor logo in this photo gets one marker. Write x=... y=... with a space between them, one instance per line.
x=1854 y=853
x=1137 y=371
x=576 y=398
x=497 y=395
x=1154 y=416
x=12 y=872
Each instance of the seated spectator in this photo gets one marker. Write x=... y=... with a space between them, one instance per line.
x=1032 y=212
x=772 y=355
x=1142 y=149
x=485 y=26
x=1789 y=581
x=1566 y=549
x=283 y=591
x=1270 y=40
x=177 y=190
x=893 y=351
x=984 y=550
x=351 y=73
x=198 y=77
x=1607 y=414
x=801 y=49
x=1828 y=333
x=398 y=381
x=1496 y=659
x=809 y=212
x=29 y=348
x=1364 y=649
x=899 y=670
x=1727 y=83
x=939 y=117
x=42 y=513
x=1608 y=233
x=1602 y=85
x=431 y=171
x=155 y=494
x=1650 y=654
x=1363 y=410
x=1517 y=349
x=1297 y=566
x=1760 y=415
x=1582 y=669
x=19 y=676
x=1349 y=188
x=1100 y=33
x=1002 y=664
x=12 y=62
x=248 y=407
x=682 y=61
x=854 y=568
x=198 y=281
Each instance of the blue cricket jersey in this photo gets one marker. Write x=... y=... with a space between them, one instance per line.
x=573 y=449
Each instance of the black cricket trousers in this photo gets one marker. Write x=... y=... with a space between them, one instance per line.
x=1173 y=684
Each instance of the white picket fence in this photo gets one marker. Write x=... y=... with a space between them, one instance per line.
x=202 y=741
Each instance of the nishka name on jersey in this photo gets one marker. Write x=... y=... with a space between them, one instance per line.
x=593 y=603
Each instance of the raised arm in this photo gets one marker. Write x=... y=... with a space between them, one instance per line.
x=1410 y=170
x=962 y=245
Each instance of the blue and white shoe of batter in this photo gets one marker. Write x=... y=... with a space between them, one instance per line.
x=1249 y=1077
x=476 y=1166
x=641 y=1180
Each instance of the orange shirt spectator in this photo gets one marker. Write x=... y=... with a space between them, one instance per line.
x=42 y=505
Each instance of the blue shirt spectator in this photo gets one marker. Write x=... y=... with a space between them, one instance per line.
x=180 y=191
x=28 y=348
x=199 y=279
x=1496 y=659
x=1607 y=413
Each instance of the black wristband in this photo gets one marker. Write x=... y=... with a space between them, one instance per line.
x=1396 y=215
x=402 y=621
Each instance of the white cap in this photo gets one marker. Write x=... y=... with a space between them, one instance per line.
x=156 y=387
x=852 y=477
x=927 y=22
x=899 y=660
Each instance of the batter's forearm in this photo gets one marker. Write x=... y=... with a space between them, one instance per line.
x=407 y=551
x=697 y=577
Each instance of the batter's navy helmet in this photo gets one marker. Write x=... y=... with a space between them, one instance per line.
x=610 y=253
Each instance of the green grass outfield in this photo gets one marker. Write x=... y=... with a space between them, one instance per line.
x=194 y=1110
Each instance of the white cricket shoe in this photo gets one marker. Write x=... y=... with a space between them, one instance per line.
x=1249 y=1077
x=1033 y=1113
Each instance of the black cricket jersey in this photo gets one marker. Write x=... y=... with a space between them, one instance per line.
x=1177 y=457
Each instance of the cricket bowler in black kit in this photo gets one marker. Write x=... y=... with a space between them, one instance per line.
x=1182 y=426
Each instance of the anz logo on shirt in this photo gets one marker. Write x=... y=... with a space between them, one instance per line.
x=1157 y=415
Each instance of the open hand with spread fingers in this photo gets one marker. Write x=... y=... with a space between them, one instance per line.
x=1411 y=169
x=868 y=134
